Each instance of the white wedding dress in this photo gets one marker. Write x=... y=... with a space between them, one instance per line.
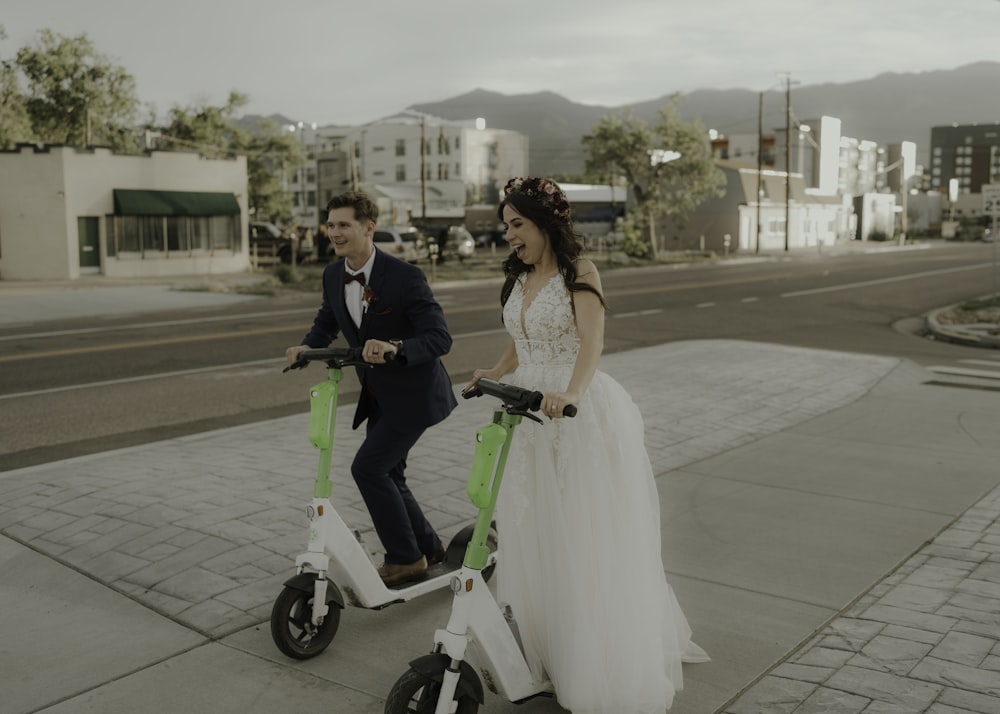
x=579 y=524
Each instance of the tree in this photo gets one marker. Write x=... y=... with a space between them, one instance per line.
x=15 y=127
x=667 y=167
x=76 y=96
x=214 y=132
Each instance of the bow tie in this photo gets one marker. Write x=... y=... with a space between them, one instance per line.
x=348 y=278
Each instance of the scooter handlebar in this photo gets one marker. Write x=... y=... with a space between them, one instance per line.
x=335 y=357
x=513 y=397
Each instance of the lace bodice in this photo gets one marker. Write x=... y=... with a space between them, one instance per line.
x=544 y=330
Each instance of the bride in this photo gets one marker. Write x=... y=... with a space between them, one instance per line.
x=579 y=513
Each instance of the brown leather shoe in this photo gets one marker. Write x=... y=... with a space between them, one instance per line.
x=393 y=574
x=438 y=556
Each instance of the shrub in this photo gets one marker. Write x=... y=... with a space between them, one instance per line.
x=633 y=242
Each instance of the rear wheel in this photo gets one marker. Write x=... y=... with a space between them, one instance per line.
x=292 y=628
x=416 y=693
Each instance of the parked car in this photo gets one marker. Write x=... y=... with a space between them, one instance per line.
x=404 y=242
x=449 y=242
x=268 y=241
x=495 y=236
x=460 y=242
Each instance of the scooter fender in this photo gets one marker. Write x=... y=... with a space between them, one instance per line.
x=305 y=582
x=433 y=666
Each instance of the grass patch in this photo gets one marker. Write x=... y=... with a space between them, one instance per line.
x=981 y=304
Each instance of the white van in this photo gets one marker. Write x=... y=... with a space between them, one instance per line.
x=404 y=242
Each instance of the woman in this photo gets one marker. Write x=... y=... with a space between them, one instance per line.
x=578 y=512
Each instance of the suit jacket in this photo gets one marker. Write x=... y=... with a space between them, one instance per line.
x=414 y=392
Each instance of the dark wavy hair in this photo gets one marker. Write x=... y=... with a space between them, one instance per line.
x=564 y=240
x=365 y=209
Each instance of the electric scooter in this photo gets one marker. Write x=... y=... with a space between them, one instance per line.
x=481 y=637
x=336 y=570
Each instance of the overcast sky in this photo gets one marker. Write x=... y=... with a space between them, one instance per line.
x=353 y=61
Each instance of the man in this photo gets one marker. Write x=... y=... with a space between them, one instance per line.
x=384 y=305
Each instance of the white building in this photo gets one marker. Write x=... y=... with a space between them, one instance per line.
x=66 y=212
x=420 y=166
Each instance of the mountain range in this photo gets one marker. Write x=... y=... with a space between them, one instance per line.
x=887 y=108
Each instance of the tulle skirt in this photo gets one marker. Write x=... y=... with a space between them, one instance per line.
x=579 y=524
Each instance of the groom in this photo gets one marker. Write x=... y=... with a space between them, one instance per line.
x=384 y=305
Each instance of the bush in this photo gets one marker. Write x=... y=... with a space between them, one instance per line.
x=633 y=241
x=286 y=273
x=880 y=236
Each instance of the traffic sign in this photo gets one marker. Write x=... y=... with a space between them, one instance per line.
x=991 y=199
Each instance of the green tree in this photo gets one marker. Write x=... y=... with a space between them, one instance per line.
x=668 y=167
x=75 y=95
x=214 y=132
x=15 y=127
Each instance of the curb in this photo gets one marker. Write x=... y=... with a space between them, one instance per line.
x=977 y=335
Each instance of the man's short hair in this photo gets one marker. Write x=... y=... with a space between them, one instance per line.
x=365 y=209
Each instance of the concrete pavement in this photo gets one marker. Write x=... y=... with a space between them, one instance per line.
x=831 y=524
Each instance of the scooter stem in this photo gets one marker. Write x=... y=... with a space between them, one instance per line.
x=322 y=419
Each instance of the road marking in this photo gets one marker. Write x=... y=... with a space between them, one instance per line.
x=162 y=375
x=149 y=325
x=750 y=299
x=199 y=370
x=638 y=313
x=153 y=343
x=962 y=372
x=705 y=304
x=883 y=281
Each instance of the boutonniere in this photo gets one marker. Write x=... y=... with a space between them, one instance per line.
x=369 y=296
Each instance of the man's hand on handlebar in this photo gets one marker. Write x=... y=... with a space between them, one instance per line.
x=292 y=353
x=378 y=351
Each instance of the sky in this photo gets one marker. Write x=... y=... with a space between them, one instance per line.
x=353 y=61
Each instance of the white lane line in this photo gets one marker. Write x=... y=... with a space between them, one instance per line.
x=989 y=363
x=705 y=304
x=962 y=372
x=151 y=325
x=883 y=281
x=750 y=299
x=276 y=362
x=638 y=313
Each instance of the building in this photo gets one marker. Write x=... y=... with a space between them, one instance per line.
x=421 y=167
x=65 y=212
x=969 y=153
x=729 y=223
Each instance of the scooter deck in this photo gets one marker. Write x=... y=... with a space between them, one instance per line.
x=435 y=571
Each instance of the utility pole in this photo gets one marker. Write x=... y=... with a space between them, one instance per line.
x=788 y=162
x=760 y=161
x=423 y=170
x=354 y=166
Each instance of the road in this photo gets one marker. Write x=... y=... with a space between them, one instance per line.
x=68 y=389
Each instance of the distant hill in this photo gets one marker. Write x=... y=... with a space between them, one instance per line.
x=887 y=108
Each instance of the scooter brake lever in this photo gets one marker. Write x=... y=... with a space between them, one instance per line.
x=524 y=413
x=297 y=364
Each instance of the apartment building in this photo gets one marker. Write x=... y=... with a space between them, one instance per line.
x=969 y=153
x=416 y=165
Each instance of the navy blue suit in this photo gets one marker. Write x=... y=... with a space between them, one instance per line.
x=399 y=400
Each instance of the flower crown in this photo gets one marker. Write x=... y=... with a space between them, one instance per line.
x=541 y=191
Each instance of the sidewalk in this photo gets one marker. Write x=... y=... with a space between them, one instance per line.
x=831 y=525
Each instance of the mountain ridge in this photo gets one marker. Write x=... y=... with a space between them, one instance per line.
x=887 y=108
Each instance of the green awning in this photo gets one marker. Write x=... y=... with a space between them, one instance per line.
x=130 y=202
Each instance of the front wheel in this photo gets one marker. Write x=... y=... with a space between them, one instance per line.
x=416 y=693
x=292 y=628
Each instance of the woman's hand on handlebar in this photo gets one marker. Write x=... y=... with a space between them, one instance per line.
x=554 y=403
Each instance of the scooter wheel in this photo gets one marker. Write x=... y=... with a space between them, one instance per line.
x=292 y=628
x=415 y=693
